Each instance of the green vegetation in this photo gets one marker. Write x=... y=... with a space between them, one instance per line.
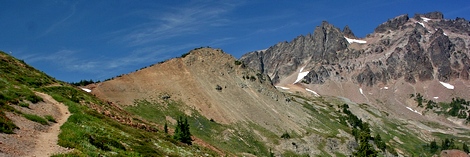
x=251 y=78
x=446 y=144
x=165 y=128
x=219 y=88
x=362 y=133
x=6 y=125
x=35 y=118
x=465 y=148
x=237 y=62
x=91 y=133
x=293 y=154
x=50 y=118
x=419 y=99
x=234 y=138
x=83 y=82
x=379 y=143
x=285 y=135
x=23 y=104
x=182 y=132
x=17 y=83
x=185 y=54
x=458 y=107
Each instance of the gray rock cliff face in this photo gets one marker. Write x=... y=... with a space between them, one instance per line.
x=285 y=57
x=392 y=24
x=348 y=32
x=426 y=47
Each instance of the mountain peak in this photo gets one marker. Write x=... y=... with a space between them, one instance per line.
x=415 y=51
x=392 y=24
x=431 y=15
x=348 y=32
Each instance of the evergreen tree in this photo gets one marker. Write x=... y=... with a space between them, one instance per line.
x=380 y=144
x=285 y=135
x=465 y=148
x=182 y=133
x=365 y=149
x=433 y=146
x=447 y=144
x=165 y=128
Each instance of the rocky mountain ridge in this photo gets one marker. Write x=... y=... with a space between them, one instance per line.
x=210 y=81
x=422 y=48
x=425 y=48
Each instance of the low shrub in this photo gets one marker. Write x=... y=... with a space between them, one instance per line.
x=6 y=125
x=34 y=98
x=36 y=118
x=285 y=135
x=23 y=104
x=50 y=118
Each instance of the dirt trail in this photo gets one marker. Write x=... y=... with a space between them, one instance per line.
x=46 y=143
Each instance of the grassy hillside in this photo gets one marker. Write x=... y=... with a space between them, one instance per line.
x=95 y=128
x=17 y=83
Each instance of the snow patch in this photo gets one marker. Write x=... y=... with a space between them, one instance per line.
x=384 y=88
x=436 y=97
x=360 y=90
x=355 y=41
x=413 y=110
x=444 y=33
x=301 y=75
x=263 y=50
x=86 y=90
x=314 y=93
x=425 y=19
x=448 y=86
x=422 y=24
x=285 y=88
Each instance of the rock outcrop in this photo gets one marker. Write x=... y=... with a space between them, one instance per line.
x=348 y=32
x=392 y=24
x=416 y=50
x=283 y=58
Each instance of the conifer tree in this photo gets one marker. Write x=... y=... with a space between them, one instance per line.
x=380 y=144
x=465 y=148
x=182 y=133
x=165 y=128
x=433 y=146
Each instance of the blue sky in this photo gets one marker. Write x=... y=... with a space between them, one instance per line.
x=89 y=39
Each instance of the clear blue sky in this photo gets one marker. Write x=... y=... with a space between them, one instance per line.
x=99 y=39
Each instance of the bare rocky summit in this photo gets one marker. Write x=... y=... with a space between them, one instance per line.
x=212 y=82
x=423 y=49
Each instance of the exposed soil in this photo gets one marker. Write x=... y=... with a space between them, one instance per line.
x=193 y=80
x=34 y=139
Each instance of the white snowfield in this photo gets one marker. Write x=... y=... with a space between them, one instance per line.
x=263 y=50
x=422 y=24
x=285 y=88
x=360 y=90
x=86 y=90
x=436 y=97
x=425 y=19
x=413 y=110
x=314 y=93
x=448 y=86
x=355 y=41
x=301 y=75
